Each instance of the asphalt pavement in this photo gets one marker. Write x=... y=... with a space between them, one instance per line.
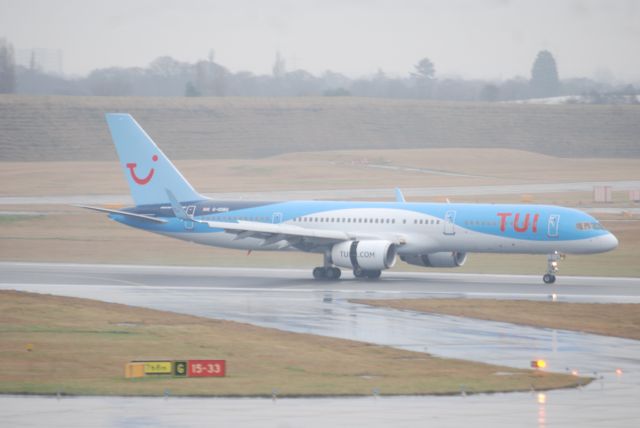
x=290 y=300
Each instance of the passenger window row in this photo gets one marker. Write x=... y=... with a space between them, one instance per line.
x=360 y=220
x=481 y=223
x=323 y=220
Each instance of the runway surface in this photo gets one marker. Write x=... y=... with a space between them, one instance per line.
x=341 y=194
x=289 y=300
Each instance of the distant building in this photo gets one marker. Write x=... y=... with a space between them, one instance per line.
x=602 y=194
x=44 y=60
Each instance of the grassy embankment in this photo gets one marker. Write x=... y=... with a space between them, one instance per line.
x=407 y=169
x=59 y=128
x=80 y=346
x=609 y=319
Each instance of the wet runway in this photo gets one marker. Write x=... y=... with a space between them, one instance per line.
x=289 y=300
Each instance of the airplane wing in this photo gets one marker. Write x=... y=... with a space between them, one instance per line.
x=272 y=233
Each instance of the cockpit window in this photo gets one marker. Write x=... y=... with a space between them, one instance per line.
x=589 y=226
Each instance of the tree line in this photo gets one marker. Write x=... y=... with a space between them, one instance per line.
x=166 y=76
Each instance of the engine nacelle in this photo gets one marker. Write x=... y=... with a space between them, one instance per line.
x=445 y=259
x=365 y=255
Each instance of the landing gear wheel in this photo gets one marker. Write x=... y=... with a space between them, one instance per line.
x=332 y=273
x=318 y=273
x=369 y=274
x=373 y=274
x=327 y=273
x=552 y=267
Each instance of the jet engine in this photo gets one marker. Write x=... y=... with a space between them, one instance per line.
x=446 y=259
x=364 y=255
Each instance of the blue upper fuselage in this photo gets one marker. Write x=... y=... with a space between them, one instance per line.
x=516 y=221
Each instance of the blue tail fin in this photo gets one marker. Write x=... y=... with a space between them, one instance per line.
x=148 y=171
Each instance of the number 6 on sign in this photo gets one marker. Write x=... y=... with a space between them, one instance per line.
x=207 y=368
x=180 y=368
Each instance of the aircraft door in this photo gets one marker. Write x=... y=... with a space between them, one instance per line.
x=450 y=223
x=191 y=209
x=553 y=226
x=276 y=218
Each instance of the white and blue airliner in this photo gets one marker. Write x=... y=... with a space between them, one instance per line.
x=365 y=237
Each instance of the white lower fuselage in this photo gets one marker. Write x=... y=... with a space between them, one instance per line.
x=417 y=233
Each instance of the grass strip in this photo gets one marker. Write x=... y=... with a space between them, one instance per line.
x=609 y=319
x=51 y=344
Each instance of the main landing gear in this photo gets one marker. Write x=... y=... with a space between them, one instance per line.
x=552 y=267
x=368 y=274
x=330 y=273
x=327 y=272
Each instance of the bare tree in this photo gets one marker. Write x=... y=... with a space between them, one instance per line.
x=424 y=77
x=114 y=81
x=425 y=70
x=165 y=66
x=211 y=78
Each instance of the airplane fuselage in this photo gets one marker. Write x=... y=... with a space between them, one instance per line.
x=417 y=227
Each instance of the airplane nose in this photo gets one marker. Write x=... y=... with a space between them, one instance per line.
x=609 y=242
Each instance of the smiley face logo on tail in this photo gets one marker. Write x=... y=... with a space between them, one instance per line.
x=144 y=180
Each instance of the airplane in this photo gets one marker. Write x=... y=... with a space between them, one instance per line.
x=365 y=237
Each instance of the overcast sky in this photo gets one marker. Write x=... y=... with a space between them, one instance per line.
x=469 y=38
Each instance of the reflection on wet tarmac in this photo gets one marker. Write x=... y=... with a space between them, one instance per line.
x=306 y=307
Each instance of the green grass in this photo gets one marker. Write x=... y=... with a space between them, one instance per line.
x=10 y=218
x=52 y=345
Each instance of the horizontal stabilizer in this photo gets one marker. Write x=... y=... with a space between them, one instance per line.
x=125 y=213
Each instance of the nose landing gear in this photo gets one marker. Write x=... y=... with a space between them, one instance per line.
x=552 y=267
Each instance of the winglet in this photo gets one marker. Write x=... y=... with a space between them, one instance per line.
x=178 y=211
x=399 y=196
